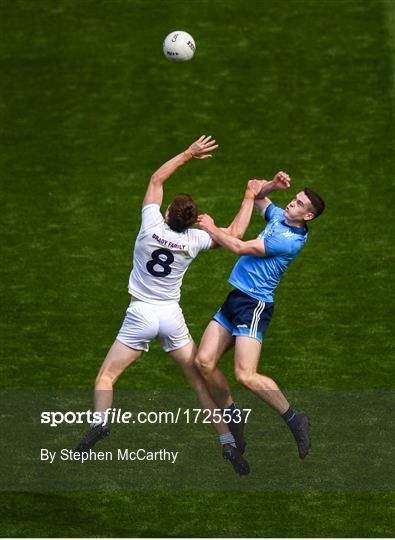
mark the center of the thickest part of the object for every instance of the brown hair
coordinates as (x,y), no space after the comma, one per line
(182,213)
(317,203)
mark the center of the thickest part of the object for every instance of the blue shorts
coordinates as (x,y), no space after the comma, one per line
(242,315)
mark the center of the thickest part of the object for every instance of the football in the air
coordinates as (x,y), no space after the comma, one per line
(179,46)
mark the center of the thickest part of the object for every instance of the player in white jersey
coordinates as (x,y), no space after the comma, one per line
(164,249)
(161,252)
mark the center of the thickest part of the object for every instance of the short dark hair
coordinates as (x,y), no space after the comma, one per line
(182,213)
(317,203)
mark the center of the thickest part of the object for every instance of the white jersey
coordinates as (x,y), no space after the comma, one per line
(161,257)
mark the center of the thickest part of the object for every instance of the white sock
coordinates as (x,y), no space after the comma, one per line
(227,438)
(98,422)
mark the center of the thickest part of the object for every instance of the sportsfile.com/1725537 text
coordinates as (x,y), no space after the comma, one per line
(118,416)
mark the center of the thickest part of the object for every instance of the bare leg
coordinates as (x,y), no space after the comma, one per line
(118,358)
(185,357)
(215,342)
(246,362)
(247,353)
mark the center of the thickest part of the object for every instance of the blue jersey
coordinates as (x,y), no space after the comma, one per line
(259,276)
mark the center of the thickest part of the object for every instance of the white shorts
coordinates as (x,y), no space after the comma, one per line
(144,322)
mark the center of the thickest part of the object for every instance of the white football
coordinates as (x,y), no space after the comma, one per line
(179,46)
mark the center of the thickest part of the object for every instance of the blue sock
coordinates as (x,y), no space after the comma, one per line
(291,418)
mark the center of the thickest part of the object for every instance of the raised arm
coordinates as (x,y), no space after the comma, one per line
(198,150)
(255,196)
(242,219)
(263,187)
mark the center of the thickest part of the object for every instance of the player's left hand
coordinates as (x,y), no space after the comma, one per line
(205,222)
(203,145)
(282,180)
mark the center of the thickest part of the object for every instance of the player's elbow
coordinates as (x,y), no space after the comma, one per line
(155,179)
(234,231)
(237,234)
(236,247)
(242,250)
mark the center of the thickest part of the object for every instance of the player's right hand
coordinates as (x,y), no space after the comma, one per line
(256,186)
(203,145)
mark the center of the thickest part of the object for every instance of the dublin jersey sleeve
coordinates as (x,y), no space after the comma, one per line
(272,211)
(198,241)
(280,245)
(150,217)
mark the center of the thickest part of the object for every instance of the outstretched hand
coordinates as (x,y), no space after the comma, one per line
(205,222)
(203,145)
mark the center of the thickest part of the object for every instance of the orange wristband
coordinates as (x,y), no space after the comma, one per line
(188,154)
(249,194)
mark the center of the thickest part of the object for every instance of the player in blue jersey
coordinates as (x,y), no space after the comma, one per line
(246,313)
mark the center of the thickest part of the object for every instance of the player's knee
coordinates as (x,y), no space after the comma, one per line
(104,379)
(244,377)
(204,364)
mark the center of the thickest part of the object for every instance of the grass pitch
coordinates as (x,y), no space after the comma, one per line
(89,109)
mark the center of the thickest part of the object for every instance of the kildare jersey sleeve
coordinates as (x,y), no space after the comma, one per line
(150,217)
(272,211)
(198,241)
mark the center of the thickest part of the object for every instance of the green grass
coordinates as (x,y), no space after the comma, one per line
(89,109)
(220,514)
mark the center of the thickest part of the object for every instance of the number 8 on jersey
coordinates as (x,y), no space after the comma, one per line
(162,258)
